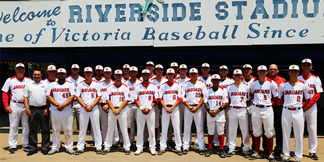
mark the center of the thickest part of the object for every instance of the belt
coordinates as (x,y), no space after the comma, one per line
(293,108)
(262,106)
(194,105)
(237,107)
(17,101)
(168,105)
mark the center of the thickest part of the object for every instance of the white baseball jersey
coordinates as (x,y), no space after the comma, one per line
(102,79)
(158,84)
(194,92)
(226,83)
(49,81)
(182,81)
(207,82)
(131,88)
(263,93)
(103,89)
(238,95)
(16,87)
(146,94)
(123,80)
(75,82)
(60,93)
(88,92)
(170,93)
(250,81)
(293,95)
(150,79)
(117,94)
(314,83)
(215,99)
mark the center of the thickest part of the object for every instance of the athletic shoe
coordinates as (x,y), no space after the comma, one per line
(246,154)
(12,150)
(161,152)
(208,152)
(179,152)
(52,152)
(298,160)
(138,151)
(284,159)
(313,156)
(271,158)
(127,152)
(70,151)
(222,153)
(201,152)
(105,151)
(78,152)
(195,145)
(230,153)
(98,151)
(185,152)
(255,155)
(153,152)
(26,149)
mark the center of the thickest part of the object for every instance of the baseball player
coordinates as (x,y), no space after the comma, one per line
(225,82)
(193,99)
(61,94)
(310,115)
(175,67)
(51,72)
(117,98)
(13,90)
(75,79)
(126,76)
(146,95)
(291,94)
(104,108)
(239,95)
(99,77)
(88,95)
(171,96)
(262,90)
(215,100)
(131,106)
(158,81)
(150,67)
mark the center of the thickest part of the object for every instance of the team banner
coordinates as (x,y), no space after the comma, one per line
(160,24)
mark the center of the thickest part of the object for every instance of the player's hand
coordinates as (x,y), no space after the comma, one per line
(305,108)
(28,112)
(116,112)
(194,109)
(46,112)
(105,108)
(88,108)
(169,110)
(8,109)
(190,108)
(211,114)
(60,108)
(215,112)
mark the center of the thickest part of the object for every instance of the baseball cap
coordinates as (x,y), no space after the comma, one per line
(237,72)
(158,66)
(61,70)
(215,76)
(294,67)
(193,70)
(126,66)
(99,67)
(75,66)
(223,67)
(205,65)
(51,68)
(107,69)
(262,67)
(118,72)
(150,63)
(183,66)
(20,65)
(87,69)
(246,66)
(133,68)
(174,64)
(145,71)
(170,71)
(307,60)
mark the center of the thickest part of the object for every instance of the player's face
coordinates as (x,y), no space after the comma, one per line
(107,74)
(247,71)
(223,72)
(133,74)
(293,73)
(118,77)
(99,72)
(37,75)
(170,76)
(175,69)
(273,70)
(150,67)
(145,77)
(237,77)
(75,71)
(158,71)
(262,73)
(183,71)
(193,76)
(61,76)
(215,82)
(20,71)
(205,70)
(51,74)
(125,71)
(88,74)
(306,66)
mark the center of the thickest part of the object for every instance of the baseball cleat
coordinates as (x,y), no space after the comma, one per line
(284,159)
(230,153)
(52,152)
(153,152)
(98,151)
(161,152)
(70,151)
(78,152)
(12,150)
(127,152)
(185,152)
(179,152)
(26,149)
(271,158)
(208,152)
(105,151)
(201,152)
(222,153)
(246,154)
(255,155)
(313,156)
(138,151)
(298,160)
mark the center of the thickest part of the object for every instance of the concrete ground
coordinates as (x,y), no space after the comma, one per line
(118,155)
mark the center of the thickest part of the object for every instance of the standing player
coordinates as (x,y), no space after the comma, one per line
(291,94)
(215,100)
(99,77)
(239,95)
(51,72)
(150,67)
(175,67)
(13,89)
(131,106)
(171,96)
(158,81)
(88,95)
(60,94)
(310,115)
(262,90)
(117,98)
(126,76)
(146,95)
(193,99)
(247,71)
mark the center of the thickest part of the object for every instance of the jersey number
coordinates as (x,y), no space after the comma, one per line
(149,98)
(92,95)
(265,97)
(197,95)
(218,103)
(65,95)
(298,98)
(174,97)
(242,98)
(121,99)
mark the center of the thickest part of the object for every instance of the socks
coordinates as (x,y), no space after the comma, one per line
(221,141)
(270,144)
(210,141)
(257,144)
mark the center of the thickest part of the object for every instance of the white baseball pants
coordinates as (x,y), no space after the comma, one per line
(198,118)
(227,115)
(262,116)
(104,126)
(212,123)
(131,116)
(141,120)
(311,119)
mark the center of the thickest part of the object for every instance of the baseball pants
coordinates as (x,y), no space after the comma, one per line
(220,125)
(157,120)
(227,115)
(278,129)
(198,118)
(293,119)
(122,120)
(131,116)
(175,119)
(238,116)
(311,119)
(84,120)
(63,119)
(76,111)
(104,126)
(18,112)
(141,120)
(262,116)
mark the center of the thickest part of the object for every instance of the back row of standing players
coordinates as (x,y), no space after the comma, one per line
(214,91)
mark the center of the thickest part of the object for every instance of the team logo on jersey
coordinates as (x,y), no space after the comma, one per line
(310,91)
